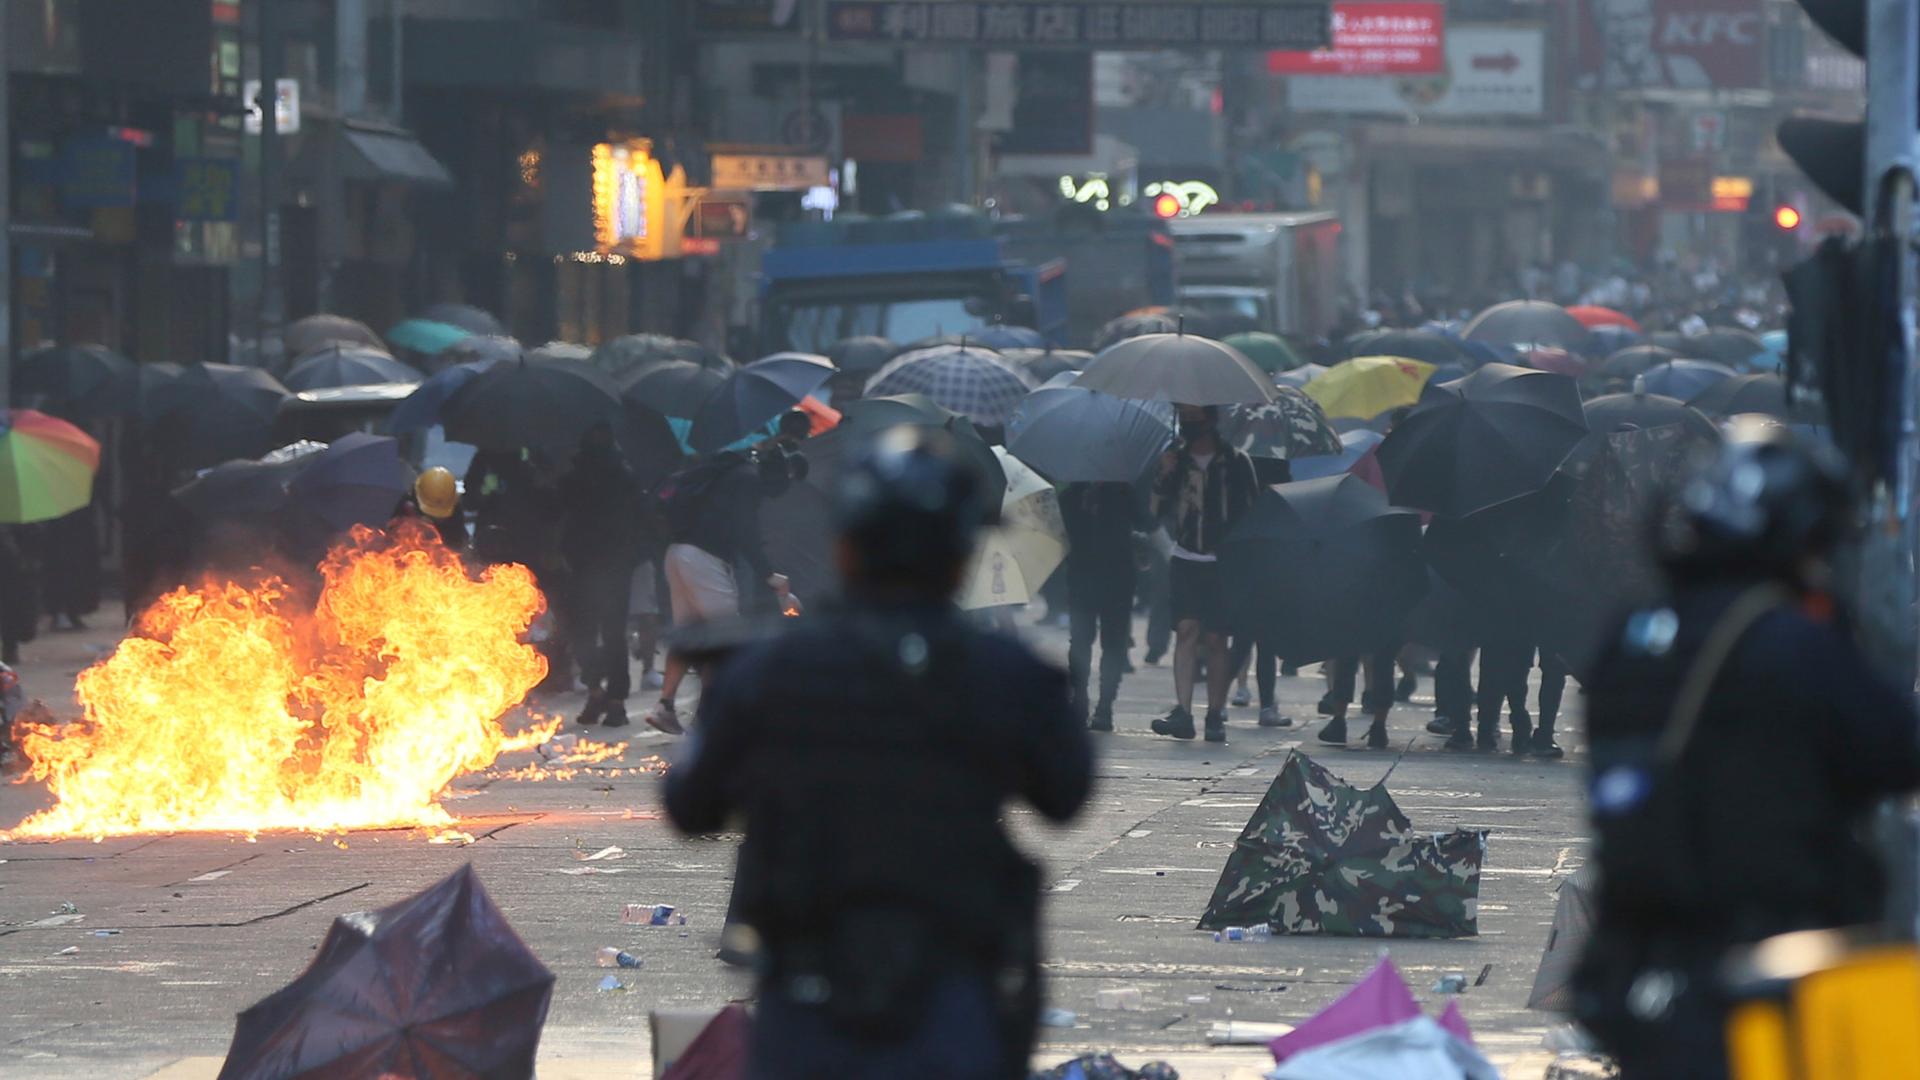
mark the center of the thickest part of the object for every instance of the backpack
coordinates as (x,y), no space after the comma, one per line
(680,499)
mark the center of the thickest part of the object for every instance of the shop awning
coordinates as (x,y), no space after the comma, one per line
(386,156)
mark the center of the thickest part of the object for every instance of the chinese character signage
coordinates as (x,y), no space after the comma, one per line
(1277,24)
(1374,39)
(208,189)
(768,172)
(96,172)
(1673,44)
(1490,71)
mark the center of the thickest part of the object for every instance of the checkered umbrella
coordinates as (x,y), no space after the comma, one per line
(974,382)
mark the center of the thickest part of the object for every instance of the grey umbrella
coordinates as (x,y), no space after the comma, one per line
(340,364)
(1070,434)
(972,381)
(1527,324)
(1180,368)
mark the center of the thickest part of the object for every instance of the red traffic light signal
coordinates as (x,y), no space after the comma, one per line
(1166,205)
(1786,217)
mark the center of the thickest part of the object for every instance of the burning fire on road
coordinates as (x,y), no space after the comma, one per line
(250,708)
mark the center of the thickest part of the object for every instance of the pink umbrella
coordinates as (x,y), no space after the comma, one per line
(1380,999)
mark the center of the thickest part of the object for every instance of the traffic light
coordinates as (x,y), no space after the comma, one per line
(1833,153)
(1166,205)
(1786,217)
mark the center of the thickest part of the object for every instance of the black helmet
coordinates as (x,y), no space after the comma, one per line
(1765,504)
(910,503)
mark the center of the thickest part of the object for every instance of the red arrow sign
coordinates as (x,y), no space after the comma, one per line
(1505,63)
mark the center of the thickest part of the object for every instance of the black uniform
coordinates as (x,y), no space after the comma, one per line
(600,538)
(1796,743)
(872,751)
(1100,519)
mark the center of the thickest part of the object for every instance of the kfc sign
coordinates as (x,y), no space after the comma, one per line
(1400,38)
(1674,44)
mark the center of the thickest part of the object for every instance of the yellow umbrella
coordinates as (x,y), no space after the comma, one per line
(1014,558)
(1368,386)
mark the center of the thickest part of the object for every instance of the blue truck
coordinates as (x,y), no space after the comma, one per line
(913,276)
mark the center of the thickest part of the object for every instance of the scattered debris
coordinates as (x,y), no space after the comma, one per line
(1127,998)
(612,957)
(611,983)
(1451,984)
(1199,999)
(608,852)
(652,915)
(1238,934)
(1245,1033)
(68,951)
(106,933)
(1106,1067)
(1058,1018)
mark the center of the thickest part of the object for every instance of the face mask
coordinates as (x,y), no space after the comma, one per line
(1191,430)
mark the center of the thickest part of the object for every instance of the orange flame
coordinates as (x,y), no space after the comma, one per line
(240,709)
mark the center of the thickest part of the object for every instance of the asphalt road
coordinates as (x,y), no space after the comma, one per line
(208,924)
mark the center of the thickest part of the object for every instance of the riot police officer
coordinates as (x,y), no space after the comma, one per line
(871,750)
(1739,743)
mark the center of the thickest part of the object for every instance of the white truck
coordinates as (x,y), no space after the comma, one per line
(1280,272)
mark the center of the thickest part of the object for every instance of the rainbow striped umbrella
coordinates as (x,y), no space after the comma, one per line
(46,467)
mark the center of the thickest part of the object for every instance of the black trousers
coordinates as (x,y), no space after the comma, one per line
(598,624)
(1379,692)
(1553,687)
(1453,685)
(1265,670)
(1104,611)
(1504,666)
(1158,594)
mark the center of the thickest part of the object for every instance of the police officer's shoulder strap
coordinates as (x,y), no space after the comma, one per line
(1705,669)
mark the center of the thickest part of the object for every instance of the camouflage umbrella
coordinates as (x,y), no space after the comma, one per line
(1290,426)
(1322,857)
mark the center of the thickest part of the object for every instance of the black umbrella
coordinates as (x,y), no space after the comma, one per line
(357,480)
(481,349)
(1290,426)
(1624,366)
(1499,434)
(1744,394)
(305,335)
(1526,324)
(548,405)
(434,987)
(862,355)
(1510,561)
(1120,329)
(1324,567)
(1070,434)
(337,364)
(1728,345)
(867,417)
(753,395)
(675,388)
(1683,379)
(77,381)
(1613,413)
(1180,368)
(797,528)
(1429,346)
(623,357)
(211,412)
(466,317)
(238,489)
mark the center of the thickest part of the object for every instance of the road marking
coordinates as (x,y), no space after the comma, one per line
(211,875)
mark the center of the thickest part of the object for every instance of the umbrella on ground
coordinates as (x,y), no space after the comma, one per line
(548,405)
(434,987)
(1573,916)
(1370,386)
(81,381)
(358,480)
(1299,377)
(862,355)
(1499,434)
(966,379)
(1592,317)
(427,337)
(746,400)
(1180,368)
(1683,379)
(675,388)
(1322,857)
(1624,366)
(306,335)
(1015,558)
(1353,446)
(336,364)
(1290,426)
(1045,364)
(466,317)
(1133,325)
(1073,435)
(1326,568)
(1729,345)
(46,467)
(209,413)
(420,410)
(1526,324)
(1269,352)
(1766,394)
(1429,346)
(1000,337)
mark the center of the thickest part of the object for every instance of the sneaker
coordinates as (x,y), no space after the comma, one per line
(1216,727)
(652,680)
(1241,698)
(1334,734)
(615,716)
(1325,707)
(664,717)
(596,705)
(1271,717)
(1377,736)
(1102,718)
(1440,725)
(1544,746)
(1522,734)
(1403,691)
(1177,724)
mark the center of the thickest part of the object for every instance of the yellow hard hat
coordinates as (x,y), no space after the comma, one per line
(435,492)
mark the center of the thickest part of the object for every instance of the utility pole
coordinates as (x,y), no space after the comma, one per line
(6,226)
(273,301)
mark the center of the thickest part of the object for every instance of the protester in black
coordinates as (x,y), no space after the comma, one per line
(1740,743)
(1100,520)
(872,751)
(600,540)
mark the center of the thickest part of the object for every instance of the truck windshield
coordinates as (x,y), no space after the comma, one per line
(1254,308)
(813,325)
